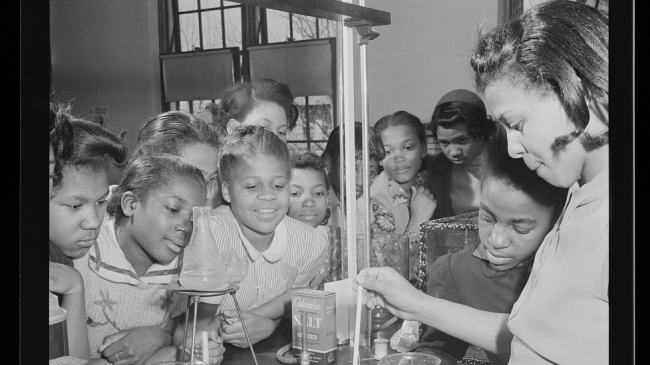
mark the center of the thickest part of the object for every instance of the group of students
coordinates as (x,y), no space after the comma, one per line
(113,248)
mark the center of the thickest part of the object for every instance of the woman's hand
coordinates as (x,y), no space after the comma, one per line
(232,332)
(385,287)
(215,347)
(422,204)
(133,346)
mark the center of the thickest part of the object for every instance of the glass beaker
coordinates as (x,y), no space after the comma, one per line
(203,268)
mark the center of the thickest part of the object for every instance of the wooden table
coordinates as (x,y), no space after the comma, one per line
(266,350)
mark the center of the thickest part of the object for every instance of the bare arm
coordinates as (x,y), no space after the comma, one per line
(385,287)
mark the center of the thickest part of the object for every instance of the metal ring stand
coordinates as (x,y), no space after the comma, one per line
(193,298)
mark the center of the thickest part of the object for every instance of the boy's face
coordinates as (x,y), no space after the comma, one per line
(77,210)
(308,192)
(162,225)
(258,194)
(511,224)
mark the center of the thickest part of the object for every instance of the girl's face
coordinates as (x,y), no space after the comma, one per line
(52,166)
(206,159)
(404,153)
(77,210)
(511,224)
(373,171)
(270,116)
(258,193)
(308,202)
(203,157)
(533,123)
(458,145)
(373,168)
(161,224)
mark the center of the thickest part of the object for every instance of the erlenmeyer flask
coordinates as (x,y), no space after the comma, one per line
(203,268)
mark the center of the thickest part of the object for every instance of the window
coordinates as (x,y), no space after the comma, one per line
(215,24)
(209,24)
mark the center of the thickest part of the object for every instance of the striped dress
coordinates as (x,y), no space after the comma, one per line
(295,258)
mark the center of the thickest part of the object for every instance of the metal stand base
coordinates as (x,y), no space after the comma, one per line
(193,298)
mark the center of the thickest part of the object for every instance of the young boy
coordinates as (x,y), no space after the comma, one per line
(517,210)
(309,190)
(332,158)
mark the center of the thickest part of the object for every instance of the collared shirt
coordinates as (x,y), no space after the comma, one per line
(295,258)
(116,298)
(562,315)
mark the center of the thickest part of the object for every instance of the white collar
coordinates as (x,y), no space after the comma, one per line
(278,246)
(108,261)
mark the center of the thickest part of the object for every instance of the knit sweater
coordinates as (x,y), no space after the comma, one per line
(116,298)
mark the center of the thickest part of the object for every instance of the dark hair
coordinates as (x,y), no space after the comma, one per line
(479,125)
(82,144)
(146,173)
(497,164)
(310,161)
(375,145)
(559,47)
(239,99)
(61,133)
(172,131)
(249,141)
(403,118)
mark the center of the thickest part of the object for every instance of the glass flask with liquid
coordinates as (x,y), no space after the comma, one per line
(203,268)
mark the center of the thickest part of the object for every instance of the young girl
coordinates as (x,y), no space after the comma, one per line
(545,77)
(186,136)
(130,318)
(332,158)
(399,200)
(274,251)
(265,103)
(462,127)
(80,155)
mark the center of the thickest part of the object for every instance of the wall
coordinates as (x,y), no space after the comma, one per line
(105,53)
(423,53)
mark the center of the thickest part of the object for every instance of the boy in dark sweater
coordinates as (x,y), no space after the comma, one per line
(517,210)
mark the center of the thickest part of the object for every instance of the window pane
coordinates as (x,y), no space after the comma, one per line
(186,5)
(299,132)
(211,22)
(184,106)
(304,27)
(232,19)
(230,3)
(320,117)
(318,147)
(189,32)
(277,25)
(206,4)
(297,148)
(326,28)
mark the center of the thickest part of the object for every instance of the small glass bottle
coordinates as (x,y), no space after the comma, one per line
(58,329)
(203,268)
